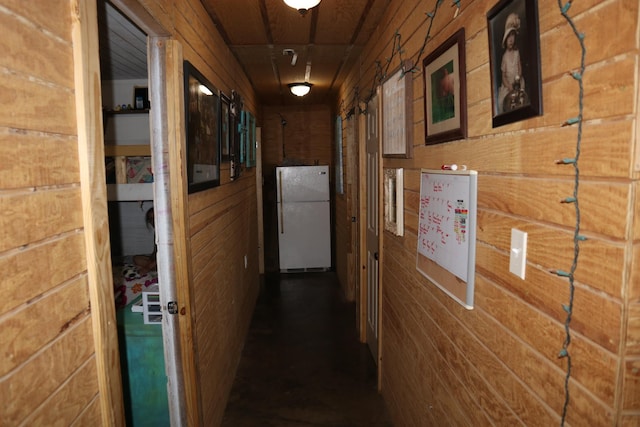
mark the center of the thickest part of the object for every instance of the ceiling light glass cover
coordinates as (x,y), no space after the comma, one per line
(300,89)
(302,5)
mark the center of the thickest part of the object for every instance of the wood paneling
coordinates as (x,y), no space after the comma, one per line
(20,94)
(50,159)
(88,109)
(221,228)
(222,234)
(53,16)
(69,401)
(58,210)
(26,388)
(498,364)
(90,415)
(39,62)
(46,315)
(72,304)
(55,267)
(307,139)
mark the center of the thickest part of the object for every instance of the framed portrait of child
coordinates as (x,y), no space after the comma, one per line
(514,51)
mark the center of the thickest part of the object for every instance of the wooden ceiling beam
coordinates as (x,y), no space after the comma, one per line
(265,21)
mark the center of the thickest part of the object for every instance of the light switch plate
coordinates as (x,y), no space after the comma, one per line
(518,253)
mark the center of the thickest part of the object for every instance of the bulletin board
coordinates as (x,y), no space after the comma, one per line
(446,252)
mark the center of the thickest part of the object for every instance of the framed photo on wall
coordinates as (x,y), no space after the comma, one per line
(225,134)
(397,113)
(394,200)
(235,128)
(202,123)
(250,129)
(445,91)
(514,53)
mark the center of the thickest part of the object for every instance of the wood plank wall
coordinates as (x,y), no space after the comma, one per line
(222,228)
(498,364)
(45,315)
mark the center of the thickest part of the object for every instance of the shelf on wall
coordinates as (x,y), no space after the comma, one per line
(129,192)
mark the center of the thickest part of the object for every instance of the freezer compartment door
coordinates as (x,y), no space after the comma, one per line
(304,235)
(302,183)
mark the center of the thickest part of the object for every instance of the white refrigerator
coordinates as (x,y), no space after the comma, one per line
(304,220)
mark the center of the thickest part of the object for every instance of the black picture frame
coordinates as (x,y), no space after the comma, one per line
(225,127)
(250,131)
(202,125)
(517,98)
(236,105)
(444,74)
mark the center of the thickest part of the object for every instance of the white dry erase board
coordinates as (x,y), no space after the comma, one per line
(447,231)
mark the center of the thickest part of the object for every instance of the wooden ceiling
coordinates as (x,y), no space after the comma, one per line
(123,46)
(327,41)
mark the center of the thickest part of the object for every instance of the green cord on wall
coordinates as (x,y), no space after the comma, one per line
(568,308)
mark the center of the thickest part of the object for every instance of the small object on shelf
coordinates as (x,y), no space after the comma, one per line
(141,98)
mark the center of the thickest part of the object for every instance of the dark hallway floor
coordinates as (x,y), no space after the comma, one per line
(302,364)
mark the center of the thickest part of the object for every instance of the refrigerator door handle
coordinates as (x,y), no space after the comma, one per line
(281,206)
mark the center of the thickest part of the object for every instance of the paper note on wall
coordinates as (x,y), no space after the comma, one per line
(444,220)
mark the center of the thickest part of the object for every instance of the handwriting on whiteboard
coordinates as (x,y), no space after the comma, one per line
(443,221)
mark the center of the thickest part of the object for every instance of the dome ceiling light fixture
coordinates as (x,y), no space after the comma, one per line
(302,6)
(300,89)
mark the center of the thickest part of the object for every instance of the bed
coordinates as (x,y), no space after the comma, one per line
(129,281)
(129,178)
(129,174)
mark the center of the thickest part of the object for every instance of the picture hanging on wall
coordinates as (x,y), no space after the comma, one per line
(394,200)
(397,113)
(514,52)
(445,91)
(235,128)
(225,134)
(250,130)
(202,123)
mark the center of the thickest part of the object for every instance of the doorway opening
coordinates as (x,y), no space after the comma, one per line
(129,173)
(133,49)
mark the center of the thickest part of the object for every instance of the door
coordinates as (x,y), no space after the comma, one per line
(372,233)
(353,287)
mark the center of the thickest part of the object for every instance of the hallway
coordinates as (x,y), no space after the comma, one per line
(302,364)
